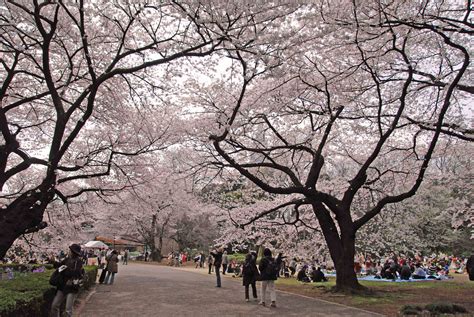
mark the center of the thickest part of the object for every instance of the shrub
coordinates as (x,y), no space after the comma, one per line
(410,310)
(31,294)
(445,308)
(24,267)
(237,257)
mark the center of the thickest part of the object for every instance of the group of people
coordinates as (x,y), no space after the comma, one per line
(267,271)
(313,274)
(177,258)
(417,268)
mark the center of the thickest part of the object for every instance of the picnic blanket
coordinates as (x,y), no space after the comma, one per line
(372,278)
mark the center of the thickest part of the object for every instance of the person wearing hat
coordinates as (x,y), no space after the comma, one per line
(72,273)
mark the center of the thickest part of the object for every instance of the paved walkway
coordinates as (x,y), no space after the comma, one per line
(151,290)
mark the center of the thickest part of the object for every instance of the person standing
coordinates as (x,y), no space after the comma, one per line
(268,272)
(225,262)
(470,267)
(209,263)
(112,267)
(249,276)
(202,259)
(68,286)
(292,266)
(125,257)
(217,265)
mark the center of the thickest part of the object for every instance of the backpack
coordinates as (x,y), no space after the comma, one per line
(248,269)
(271,269)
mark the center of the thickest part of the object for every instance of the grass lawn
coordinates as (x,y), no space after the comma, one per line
(389,297)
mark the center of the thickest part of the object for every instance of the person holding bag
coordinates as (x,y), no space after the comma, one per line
(112,267)
(68,281)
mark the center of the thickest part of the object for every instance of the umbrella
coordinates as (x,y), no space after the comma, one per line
(96,245)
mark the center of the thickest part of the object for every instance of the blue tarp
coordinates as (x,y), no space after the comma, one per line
(372,278)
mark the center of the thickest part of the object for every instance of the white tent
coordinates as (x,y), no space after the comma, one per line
(96,245)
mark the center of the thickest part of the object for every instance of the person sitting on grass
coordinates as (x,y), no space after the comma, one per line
(420,273)
(302,277)
(405,271)
(317,275)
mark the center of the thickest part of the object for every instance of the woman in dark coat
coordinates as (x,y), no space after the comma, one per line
(68,287)
(249,276)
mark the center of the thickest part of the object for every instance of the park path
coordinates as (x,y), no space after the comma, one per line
(153,290)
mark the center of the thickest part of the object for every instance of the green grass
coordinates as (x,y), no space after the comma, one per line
(386,297)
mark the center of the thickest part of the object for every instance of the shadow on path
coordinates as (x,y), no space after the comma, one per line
(152,290)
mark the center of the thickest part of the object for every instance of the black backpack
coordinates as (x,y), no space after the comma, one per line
(271,269)
(247,269)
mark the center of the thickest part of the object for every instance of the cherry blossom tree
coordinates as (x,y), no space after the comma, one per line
(346,122)
(86,91)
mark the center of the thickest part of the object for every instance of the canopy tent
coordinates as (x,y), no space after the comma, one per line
(96,245)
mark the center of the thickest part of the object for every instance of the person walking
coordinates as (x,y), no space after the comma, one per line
(249,276)
(112,267)
(71,274)
(217,265)
(268,273)
(225,262)
(209,263)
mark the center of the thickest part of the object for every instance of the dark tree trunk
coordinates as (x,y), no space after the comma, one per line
(24,215)
(155,254)
(341,247)
(346,278)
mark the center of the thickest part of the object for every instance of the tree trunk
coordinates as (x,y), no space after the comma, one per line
(341,248)
(24,215)
(346,278)
(155,254)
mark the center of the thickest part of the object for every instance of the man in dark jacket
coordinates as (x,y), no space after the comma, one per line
(269,273)
(71,272)
(249,276)
(217,264)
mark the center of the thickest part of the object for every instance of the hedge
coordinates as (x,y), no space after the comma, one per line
(24,267)
(434,309)
(31,294)
(238,257)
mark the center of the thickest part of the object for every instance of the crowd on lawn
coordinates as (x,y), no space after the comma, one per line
(392,267)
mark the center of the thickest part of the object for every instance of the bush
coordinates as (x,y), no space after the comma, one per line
(434,309)
(31,295)
(24,267)
(410,310)
(445,308)
(237,257)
